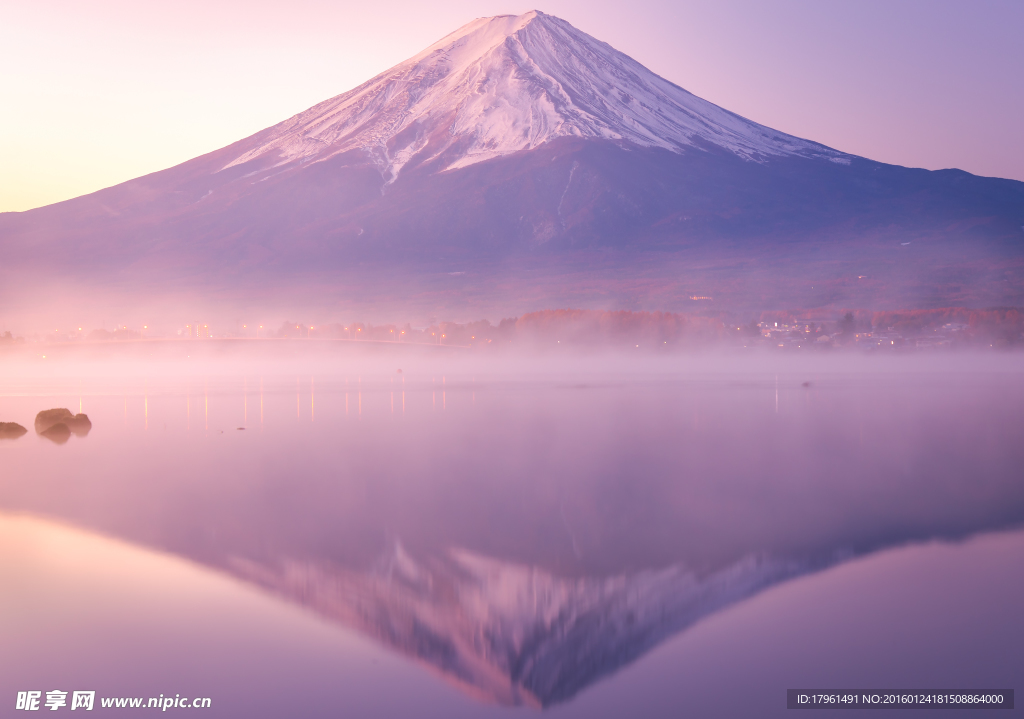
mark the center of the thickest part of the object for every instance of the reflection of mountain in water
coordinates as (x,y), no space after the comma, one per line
(511,633)
(561,503)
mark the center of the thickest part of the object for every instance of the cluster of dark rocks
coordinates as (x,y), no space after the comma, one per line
(56,425)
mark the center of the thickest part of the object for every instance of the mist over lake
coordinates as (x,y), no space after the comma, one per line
(582,533)
(613,362)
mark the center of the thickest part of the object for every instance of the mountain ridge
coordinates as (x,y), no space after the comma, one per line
(424,204)
(497,85)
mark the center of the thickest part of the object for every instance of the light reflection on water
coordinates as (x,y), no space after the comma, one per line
(526,537)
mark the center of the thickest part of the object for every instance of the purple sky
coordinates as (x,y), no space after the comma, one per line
(96,92)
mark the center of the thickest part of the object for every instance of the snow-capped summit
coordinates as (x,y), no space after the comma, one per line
(518,164)
(503,84)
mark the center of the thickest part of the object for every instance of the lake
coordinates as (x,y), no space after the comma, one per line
(318,534)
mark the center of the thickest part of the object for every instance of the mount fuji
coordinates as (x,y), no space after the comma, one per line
(503,85)
(517,164)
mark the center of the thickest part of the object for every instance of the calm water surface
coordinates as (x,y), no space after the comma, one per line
(587,539)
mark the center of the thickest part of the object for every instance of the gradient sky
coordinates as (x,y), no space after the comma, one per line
(96,92)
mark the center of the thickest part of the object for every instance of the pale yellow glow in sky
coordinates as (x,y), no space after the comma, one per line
(101,91)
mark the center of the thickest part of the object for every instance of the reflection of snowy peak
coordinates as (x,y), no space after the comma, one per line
(509,83)
(510,633)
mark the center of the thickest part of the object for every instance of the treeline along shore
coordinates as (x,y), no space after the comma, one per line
(952,327)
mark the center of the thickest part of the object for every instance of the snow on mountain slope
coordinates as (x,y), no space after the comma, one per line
(509,83)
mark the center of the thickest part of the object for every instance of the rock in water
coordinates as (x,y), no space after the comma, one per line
(49,417)
(11,430)
(79,424)
(58,433)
